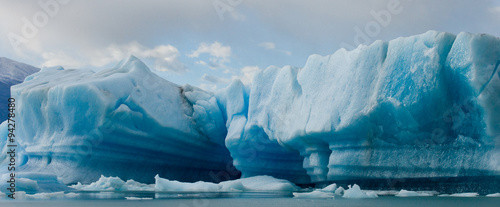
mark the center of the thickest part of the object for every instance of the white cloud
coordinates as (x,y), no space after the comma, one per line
(60,58)
(215,49)
(219,54)
(247,74)
(214,79)
(208,87)
(268,45)
(272,46)
(165,57)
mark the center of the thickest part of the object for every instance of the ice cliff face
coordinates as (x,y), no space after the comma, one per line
(415,107)
(124,122)
(421,106)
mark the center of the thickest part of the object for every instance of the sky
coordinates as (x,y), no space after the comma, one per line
(209,43)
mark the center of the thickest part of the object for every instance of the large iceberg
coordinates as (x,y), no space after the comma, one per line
(125,121)
(424,106)
(415,107)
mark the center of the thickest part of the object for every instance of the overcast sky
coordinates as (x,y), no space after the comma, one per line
(207,43)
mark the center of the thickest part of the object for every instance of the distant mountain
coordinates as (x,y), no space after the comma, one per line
(11,73)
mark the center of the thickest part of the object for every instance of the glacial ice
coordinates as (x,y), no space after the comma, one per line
(113,184)
(406,193)
(414,107)
(314,194)
(32,183)
(355,191)
(251,184)
(466,195)
(124,121)
(493,195)
(330,188)
(425,106)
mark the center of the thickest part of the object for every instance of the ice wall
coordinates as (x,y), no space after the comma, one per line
(125,122)
(420,106)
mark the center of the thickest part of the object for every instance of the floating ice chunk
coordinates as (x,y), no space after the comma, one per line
(493,195)
(314,194)
(261,183)
(251,184)
(46,195)
(355,191)
(406,193)
(163,184)
(340,191)
(460,195)
(71,195)
(386,192)
(330,188)
(113,184)
(137,198)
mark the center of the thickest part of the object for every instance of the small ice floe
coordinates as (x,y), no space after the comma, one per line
(137,198)
(460,195)
(114,184)
(340,191)
(493,195)
(355,191)
(314,194)
(407,193)
(329,188)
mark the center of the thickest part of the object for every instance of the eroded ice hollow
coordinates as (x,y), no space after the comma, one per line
(424,106)
(415,107)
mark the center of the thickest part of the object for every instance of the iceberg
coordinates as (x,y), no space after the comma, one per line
(314,194)
(406,193)
(124,121)
(414,107)
(355,191)
(251,184)
(425,106)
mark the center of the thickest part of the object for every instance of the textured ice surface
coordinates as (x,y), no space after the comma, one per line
(355,191)
(251,184)
(33,183)
(420,106)
(424,106)
(330,188)
(460,195)
(114,184)
(314,194)
(406,193)
(493,195)
(124,121)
